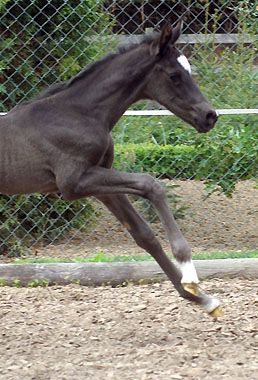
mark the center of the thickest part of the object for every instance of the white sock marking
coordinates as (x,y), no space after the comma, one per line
(212,305)
(183,61)
(189,272)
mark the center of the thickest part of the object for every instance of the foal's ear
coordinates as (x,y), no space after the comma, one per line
(177,31)
(158,46)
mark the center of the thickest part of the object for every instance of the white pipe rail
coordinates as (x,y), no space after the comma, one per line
(167,113)
(234,111)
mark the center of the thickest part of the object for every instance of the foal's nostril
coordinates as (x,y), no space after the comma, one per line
(211,117)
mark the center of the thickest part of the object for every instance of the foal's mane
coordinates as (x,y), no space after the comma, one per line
(90,68)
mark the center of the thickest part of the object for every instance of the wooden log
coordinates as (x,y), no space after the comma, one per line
(117,273)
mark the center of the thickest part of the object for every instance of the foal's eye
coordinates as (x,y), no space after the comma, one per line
(175,78)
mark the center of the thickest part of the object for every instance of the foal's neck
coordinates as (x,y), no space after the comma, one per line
(105,94)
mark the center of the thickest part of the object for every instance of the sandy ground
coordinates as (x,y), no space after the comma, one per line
(130,333)
(139,332)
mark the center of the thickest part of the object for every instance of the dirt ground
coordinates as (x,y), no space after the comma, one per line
(130,333)
(139,332)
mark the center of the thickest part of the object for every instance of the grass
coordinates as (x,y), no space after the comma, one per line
(103,258)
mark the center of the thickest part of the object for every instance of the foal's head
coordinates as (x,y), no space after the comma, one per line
(172,85)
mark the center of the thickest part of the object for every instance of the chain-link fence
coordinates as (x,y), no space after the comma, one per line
(44,42)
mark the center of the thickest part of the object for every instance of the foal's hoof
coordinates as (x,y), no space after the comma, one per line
(217,312)
(191,288)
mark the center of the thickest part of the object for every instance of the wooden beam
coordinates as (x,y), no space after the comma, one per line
(192,39)
(117,273)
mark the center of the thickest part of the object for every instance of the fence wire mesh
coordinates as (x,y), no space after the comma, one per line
(44,42)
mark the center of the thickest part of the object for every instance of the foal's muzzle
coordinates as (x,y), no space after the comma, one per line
(205,120)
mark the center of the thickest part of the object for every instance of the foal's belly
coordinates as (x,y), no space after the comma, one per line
(23,169)
(27,185)
(25,179)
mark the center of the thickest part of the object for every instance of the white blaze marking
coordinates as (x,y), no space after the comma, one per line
(189,272)
(183,61)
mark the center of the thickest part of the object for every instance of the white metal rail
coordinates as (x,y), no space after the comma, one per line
(236,111)
(166,112)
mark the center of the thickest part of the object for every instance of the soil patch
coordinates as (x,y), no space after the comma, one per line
(131,333)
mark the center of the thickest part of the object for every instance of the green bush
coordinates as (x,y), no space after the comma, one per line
(46,43)
(27,218)
(228,80)
(220,159)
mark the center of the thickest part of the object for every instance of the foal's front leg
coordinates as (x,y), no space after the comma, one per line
(141,232)
(143,235)
(102,182)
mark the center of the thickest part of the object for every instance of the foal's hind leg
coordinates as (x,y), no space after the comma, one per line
(141,232)
(100,182)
